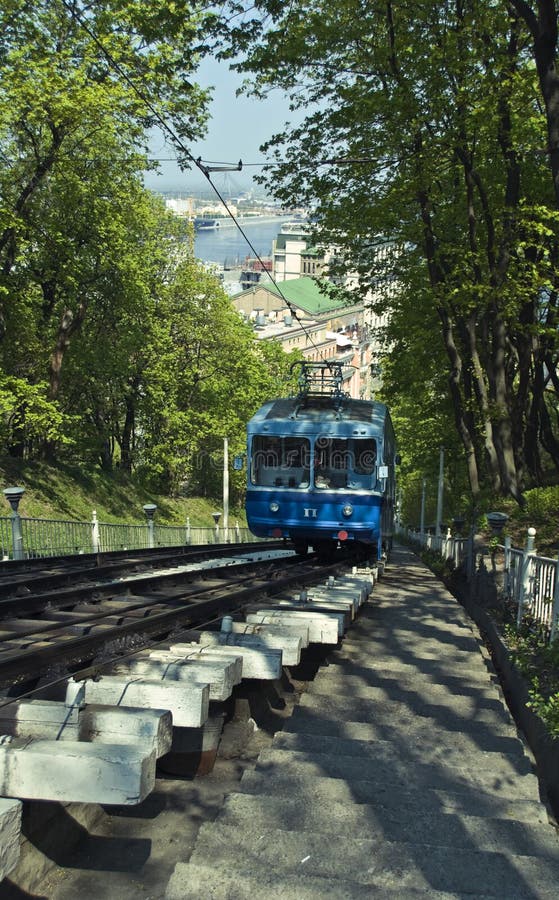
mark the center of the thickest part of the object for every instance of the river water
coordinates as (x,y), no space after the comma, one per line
(227,247)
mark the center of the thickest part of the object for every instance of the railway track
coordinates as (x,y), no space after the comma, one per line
(68,615)
(385,763)
(106,671)
(40,574)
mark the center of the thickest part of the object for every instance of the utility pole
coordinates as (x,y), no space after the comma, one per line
(440,493)
(225,485)
(422,519)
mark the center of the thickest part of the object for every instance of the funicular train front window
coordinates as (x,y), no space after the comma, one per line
(280,461)
(348,463)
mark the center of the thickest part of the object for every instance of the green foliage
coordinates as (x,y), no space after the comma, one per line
(442,568)
(540,512)
(73,491)
(434,110)
(547,708)
(117,347)
(542,504)
(538,662)
(27,417)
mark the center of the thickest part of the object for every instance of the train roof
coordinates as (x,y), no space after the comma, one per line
(321,409)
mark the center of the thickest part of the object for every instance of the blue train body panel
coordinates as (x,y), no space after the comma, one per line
(321,471)
(313,517)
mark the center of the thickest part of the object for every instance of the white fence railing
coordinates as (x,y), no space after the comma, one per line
(530,581)
(29,538)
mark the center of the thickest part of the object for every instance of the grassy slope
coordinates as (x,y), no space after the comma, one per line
(72,493)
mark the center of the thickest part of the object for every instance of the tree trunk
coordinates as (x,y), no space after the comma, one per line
(69,325)
(543,27)
(126,449)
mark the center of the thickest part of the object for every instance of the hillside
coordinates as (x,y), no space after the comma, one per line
(69,492)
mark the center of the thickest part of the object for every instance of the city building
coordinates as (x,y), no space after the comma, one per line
(299,315)
(293,255)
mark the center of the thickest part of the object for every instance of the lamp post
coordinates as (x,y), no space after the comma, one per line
(458,522)
(496,522)
(149,509)
(13,495)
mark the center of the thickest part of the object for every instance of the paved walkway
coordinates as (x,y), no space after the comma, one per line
(399,775)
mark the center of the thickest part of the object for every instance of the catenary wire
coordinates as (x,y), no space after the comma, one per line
(205,169)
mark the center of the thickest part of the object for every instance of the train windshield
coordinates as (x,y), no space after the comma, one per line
(348,463)
(280,461)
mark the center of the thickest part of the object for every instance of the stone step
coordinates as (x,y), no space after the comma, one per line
(262,663)
(463,714)
(409,615)
(466,800)
(416,732)
(187,702)
(191,881)
(75,771)
(427,660)
(408,678)
(52,720)
(389,824)
(330,684)
(10,831)
(428,670)
(402,630)
(437,754)
(408,650)
(388,865)
(387,767)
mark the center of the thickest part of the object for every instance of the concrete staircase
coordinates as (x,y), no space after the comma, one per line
(399,775)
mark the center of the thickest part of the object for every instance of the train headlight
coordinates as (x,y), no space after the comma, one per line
(274,506)
(347,511)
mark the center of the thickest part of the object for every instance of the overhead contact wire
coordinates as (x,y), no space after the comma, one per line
(206,170)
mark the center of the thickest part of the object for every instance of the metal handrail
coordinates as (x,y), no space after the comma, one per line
(530,582)
(27,537)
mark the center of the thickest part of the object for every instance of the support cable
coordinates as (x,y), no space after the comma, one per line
(205,169)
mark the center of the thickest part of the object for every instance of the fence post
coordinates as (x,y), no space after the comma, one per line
(216,516)
(471,567)
(13,495)
(237,532)
(188,529)
(149,509)
(527,557)
(446,543)
(94,532)
(507,580)
(555,612)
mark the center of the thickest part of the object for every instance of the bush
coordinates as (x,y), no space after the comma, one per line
(538,661)
(542,503)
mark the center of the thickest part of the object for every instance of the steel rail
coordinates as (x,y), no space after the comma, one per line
(19,665)
(111,564)
(24,604)
(138,602)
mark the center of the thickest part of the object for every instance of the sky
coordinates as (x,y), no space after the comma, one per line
(239,125)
